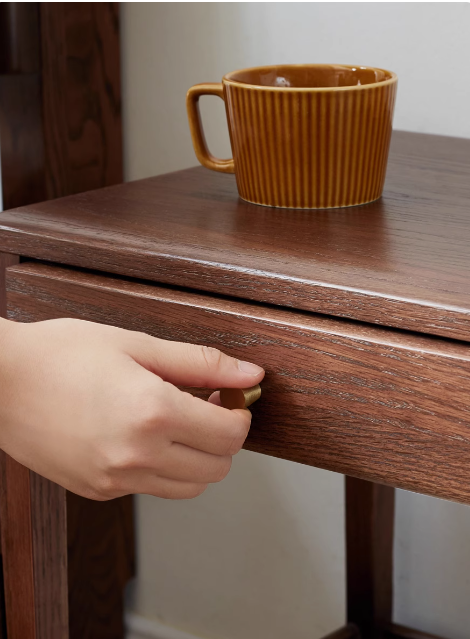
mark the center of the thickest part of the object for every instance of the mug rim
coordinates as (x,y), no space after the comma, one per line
(355,87)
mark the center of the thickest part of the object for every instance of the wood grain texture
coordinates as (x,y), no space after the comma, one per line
(377,404)
(66,559)
(17,549)
(49,540)
(21,132)
(101,561)
(22,149)
(81,95)
(60,105)
(60,100)
(396,631)
(3,615)
(369,556)
(402,261)
(5,260)
(34,553)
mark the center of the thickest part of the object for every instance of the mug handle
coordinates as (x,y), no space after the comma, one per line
(197,132)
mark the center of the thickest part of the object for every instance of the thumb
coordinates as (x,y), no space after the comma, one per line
(195,365)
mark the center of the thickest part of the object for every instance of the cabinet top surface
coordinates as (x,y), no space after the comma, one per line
(402,261)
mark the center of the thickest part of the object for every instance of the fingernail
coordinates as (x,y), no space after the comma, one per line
(248,367)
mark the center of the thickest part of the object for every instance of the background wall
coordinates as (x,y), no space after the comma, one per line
(262,554)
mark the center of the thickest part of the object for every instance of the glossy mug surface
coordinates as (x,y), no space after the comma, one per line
(303,136)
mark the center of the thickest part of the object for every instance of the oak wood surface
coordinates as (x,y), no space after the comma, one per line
(377,404)
(402,261)
(370,510)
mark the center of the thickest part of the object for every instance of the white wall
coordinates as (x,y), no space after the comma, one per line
(261,555)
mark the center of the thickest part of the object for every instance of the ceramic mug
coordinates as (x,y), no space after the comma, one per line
(303,136)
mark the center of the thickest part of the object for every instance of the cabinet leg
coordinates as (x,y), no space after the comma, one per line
(100,542)
(5,261)
(17,549)
(66,559)
(370,512)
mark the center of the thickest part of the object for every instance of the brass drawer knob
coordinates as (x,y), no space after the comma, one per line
(239,397)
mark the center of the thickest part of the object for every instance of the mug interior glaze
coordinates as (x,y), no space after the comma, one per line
(309,76)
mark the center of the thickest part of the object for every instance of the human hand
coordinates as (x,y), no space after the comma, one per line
(93,408)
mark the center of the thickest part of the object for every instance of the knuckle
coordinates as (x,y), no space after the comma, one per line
(107,486)
(211,356)
(119,459)
(153,411)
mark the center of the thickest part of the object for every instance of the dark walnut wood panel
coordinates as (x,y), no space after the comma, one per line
(373,403)
(66,559)
(402,261)
(48,508)
(22,148)
(5,260)
(82,124)
(370,511)
(19,37)
(17,549)
(100,543)
(60,104)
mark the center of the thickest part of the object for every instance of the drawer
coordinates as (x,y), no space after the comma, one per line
(375,403)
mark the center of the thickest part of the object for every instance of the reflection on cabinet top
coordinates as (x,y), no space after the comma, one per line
(402,261)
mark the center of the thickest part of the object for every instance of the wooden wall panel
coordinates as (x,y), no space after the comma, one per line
(21,131)
(82,96)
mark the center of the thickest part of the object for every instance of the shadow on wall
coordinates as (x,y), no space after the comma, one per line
(259,556)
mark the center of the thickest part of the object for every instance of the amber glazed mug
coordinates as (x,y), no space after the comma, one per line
(303,136)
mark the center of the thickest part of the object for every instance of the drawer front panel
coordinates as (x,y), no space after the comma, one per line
(374,403)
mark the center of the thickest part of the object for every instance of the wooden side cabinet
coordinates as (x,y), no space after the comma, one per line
(359,316)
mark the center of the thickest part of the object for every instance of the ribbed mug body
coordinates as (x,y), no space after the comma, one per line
(310,148)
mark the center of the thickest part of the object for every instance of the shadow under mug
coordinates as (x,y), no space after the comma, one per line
(303,136)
